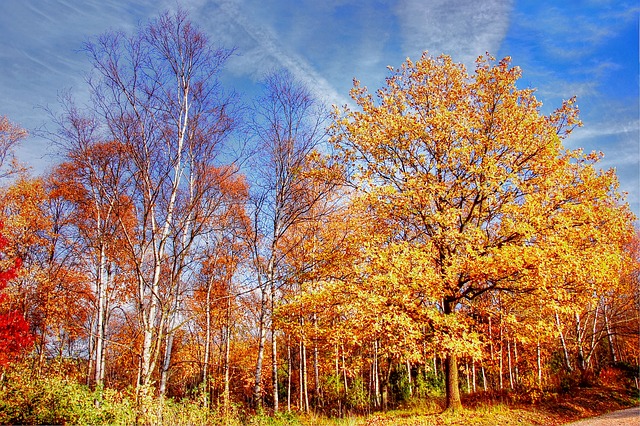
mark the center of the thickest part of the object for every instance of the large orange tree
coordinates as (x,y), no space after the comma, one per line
(471,189)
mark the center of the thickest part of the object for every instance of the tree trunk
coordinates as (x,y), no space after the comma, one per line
(567,360)
(409,378)
(579,343)
(501,357)
(304,375)
(300,375)
(515,368)
(510,364)
(227,356)
(435,364)
(376,376)
(274,366)
(289,372)
(274,345)
(207,345)
(100,321)
(539,359)
(454,402)
(166,363)
(473,371)
(316,366)
(484,378)
(612,348)
(257,387)
(466,372)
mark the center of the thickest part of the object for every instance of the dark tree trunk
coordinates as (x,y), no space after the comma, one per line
(454,402)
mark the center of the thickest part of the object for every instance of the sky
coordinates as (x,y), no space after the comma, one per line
(586,48)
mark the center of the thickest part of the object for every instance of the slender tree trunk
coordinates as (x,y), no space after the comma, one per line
(304,375)
(274,367)
(257,387)
(376,375)
(484,378)
(515,353)
(207,345)
(409,377)
(337,376)
(567,360)
(491,351)
(594,340)
(473,371)
(435,364)
(227,356)
(344,372)
(466,372)
(501,357)
(274,347)
(171,329)
(289,372)
(579,335)
(91,349)
(100,320)
(316,365)
(166,362)
(510,364)
(300,376)
(539,359)
(612,348)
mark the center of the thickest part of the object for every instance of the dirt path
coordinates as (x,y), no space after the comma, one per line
(628,417)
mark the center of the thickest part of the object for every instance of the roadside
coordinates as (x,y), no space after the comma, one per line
(628,417)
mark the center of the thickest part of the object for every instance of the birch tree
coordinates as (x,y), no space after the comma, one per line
(158,93)
(288,125)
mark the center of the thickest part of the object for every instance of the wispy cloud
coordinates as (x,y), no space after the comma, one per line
(262,52)
(459,28)
(575,30)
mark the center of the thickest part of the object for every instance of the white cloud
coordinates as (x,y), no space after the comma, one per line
(261,51)
(461,29)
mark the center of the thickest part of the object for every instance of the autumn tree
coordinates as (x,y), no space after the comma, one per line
(470,182)
(10,136)
(15,336)
(159,96)
(14,329)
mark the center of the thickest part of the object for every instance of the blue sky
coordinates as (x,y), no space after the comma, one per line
(585,48)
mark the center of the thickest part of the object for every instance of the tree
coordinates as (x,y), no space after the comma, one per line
(466,177)
(159,96)
(288,125)
(10,136)
(15,336)
(90,182)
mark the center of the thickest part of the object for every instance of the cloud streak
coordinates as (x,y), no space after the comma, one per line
(263,53)
(458,28)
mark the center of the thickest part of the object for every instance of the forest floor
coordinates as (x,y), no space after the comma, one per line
(506,410)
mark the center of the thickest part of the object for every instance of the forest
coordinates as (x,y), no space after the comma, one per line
(193,259)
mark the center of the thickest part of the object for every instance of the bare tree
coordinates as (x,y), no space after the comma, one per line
(10,137)
(288,125)
(160,97)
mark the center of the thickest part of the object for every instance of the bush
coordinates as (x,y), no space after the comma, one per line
(429,384)
(55,399)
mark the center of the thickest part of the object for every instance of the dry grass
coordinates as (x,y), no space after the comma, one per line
(492,409)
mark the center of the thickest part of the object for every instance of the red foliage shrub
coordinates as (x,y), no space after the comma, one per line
(15,336)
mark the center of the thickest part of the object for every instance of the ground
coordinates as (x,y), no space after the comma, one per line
(547,409)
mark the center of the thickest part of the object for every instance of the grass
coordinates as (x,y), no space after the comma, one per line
(26,399)
(505,410)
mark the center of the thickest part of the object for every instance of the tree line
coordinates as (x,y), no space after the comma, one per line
(436,233)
